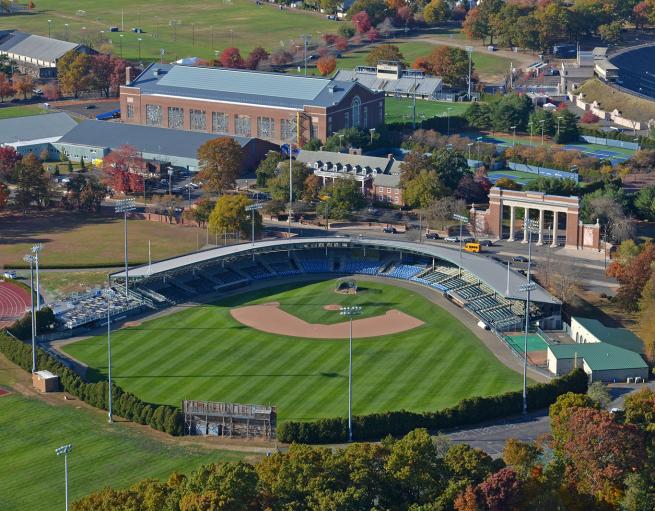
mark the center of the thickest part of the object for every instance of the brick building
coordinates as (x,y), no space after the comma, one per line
(270,106)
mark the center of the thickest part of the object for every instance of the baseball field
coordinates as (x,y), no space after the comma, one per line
(274,346)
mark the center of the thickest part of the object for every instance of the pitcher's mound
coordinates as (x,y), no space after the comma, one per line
(332,307)
(271,319)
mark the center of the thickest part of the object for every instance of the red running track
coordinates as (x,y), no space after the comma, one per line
(14,301)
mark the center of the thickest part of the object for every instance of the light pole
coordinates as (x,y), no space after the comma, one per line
(109,416)
(478,140)
(49,25)
(448,118)
(252,208)
(350,312)
(170,180)
(526,288)
(139,39)
(461,219)
(65,450)
(543,125)
(559,118)
(531,124)
(35,250)
(469,49)
(325,198)
(66,27)
(513,136)
(30,259)
(120,39)
(470,144)
(125,206)
(371,131)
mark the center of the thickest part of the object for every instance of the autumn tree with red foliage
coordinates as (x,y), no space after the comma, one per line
(341,43)
(633,275)
(589,117)
(256,57)
(6,88)
(123,170)
(9,157)
(500,491)
(23,84)
(361,22)
(231,57)
(326,65)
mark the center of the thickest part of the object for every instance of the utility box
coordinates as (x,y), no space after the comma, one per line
(45,381)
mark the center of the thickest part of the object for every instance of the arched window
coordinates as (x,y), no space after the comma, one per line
(356,108)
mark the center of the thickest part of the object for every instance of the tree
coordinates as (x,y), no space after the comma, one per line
(107,73)
(471,190)
(437,11)
(543,119)
(229,215)
(123,170)
(451,63)
(6,88)
(372,35)
(384,52)
(74,73)
(375,9)
(346,31)
(568,128)
(51,91)
(422,190)
(231,57)
(341,43)
(220,161)
(268,167)
(312,188)
(329,6)
(451,166)
(4,195)
(611,32)
(279,185)
(9,158)
(521,456)
(442,210)
(599,394)
(607,206)
(23,84)
(326,65)
(32,185)
(633,276)
(474,25)
(644,203)
(345,196)
(117,75)
(361,22)
(257,56)
(501,490)
(349,137)
(507,184)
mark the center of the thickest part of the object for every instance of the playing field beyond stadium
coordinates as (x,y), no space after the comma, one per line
(203,353)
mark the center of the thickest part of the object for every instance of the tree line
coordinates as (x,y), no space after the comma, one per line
(593,459)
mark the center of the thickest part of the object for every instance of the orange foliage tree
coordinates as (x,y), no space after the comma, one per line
(326,65)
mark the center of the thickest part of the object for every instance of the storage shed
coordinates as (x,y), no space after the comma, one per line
(45,381)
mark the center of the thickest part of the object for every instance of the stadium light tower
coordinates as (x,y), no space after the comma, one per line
(526,288)
(109,412)
(252,208)
(35,250)
(350,312)
(125,206)
(64,451)
(30,259)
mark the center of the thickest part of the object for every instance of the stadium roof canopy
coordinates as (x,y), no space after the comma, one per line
(240,86)
(486,269)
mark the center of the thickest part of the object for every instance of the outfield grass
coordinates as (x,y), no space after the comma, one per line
(183,28)
(73,239)
(400,109)
(33,476)
(8,112)
(202,353)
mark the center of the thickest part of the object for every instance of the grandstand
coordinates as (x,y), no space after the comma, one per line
(477,284)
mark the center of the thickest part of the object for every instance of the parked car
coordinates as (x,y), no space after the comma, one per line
(90,107)
(468,240)
(389,230)
(451,239)
(520,259)
(37,92)
(486,243)
(373,211)
(432,236)
(9,274)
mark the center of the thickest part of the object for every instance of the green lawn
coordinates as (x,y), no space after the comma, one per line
(401,109)
(33,476)
(8,112)
(203,353)
(183,28)
(73,239)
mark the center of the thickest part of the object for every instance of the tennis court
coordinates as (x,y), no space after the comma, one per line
(615,155)
(522,178)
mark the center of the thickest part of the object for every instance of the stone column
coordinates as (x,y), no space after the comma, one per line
(540,241)
(512,218)
(555,218)
(525,225)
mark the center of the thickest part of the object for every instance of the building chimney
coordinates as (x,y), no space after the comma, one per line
(128,75)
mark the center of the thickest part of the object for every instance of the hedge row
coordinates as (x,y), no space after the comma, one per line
(440,124)
(163,417)
(468,411)
(22,328)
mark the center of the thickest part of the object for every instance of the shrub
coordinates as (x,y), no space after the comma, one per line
(398,423)
(589,117)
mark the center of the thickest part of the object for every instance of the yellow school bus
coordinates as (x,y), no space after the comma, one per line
(472,247)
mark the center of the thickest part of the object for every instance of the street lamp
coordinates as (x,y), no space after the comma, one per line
(109,413)
(170,180)
(543,125)
(559,118)
(30,259)
(350,312)
(65,450)
(478,140)
(513,136)
(139,39)
(120,36)
(35,250)
(252,208)
(448,118)
(125,206)
(531,124)
(526,288)
(461,219)
(371,131)
(469,50)
(326,198)
(49,24)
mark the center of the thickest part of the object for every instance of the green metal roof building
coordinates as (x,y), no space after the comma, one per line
(600,360)
(588,330)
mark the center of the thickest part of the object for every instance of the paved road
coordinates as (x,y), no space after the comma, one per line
(491,437)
